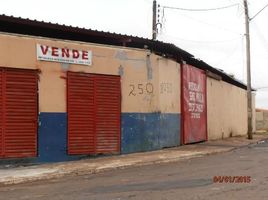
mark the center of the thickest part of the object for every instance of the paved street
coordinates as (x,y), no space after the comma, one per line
(188,179)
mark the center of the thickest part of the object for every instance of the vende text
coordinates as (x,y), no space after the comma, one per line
(64,55)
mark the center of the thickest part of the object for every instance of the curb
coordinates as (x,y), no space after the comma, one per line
(83,168)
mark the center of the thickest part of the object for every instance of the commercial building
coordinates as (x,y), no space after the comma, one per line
(71,92)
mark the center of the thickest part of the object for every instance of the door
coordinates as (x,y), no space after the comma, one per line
(93,106)
(81,111)
(2,88)
(107,113)
(19,112)
(194,104)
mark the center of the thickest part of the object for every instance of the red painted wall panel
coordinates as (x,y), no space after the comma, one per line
(93,113)
(19,113)
(194,104)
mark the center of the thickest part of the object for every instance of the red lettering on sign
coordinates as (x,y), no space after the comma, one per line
(75,54)
(84,55)
(65,52)
(55,51)
(44,49)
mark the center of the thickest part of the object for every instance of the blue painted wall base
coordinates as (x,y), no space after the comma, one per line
(149,131)
(139,132)
(52,138)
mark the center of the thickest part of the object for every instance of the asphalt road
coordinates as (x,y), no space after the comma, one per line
(189,179)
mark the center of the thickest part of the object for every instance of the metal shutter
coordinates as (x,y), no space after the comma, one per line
(20,113)
(107,102)
(2,88)
(80,108)
(93,113)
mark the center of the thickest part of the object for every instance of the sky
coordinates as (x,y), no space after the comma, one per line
(216,37)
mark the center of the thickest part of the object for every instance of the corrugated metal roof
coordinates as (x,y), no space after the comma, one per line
(19,25)
(261,110)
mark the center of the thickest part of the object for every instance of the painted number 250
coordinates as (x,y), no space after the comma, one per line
(140,89)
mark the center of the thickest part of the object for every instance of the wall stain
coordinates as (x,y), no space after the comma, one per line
(120,70)
(65,66)
(149,68)
(122,55)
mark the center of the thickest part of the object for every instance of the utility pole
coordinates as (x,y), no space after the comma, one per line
(249,94)
(154,20)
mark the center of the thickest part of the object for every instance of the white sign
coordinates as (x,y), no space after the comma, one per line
(196,100)
(63,55)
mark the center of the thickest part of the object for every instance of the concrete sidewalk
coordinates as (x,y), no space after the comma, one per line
(90,166)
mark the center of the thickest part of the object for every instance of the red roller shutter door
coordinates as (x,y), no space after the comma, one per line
(19,100)
(107,115)
(2,88)
(93,113)
(80,113)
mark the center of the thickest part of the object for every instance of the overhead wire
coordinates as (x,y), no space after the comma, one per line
(230,54)
(258,12)
(208,24)
(148,1)
(203,41)
(163,18)
(261,37)
(241,35)
(201,9)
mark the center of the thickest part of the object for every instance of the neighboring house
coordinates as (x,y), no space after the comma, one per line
(68,92)
(261,119)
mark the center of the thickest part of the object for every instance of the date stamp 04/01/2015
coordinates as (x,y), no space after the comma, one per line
(232,179)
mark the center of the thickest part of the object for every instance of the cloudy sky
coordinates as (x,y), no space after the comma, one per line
(217,37)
